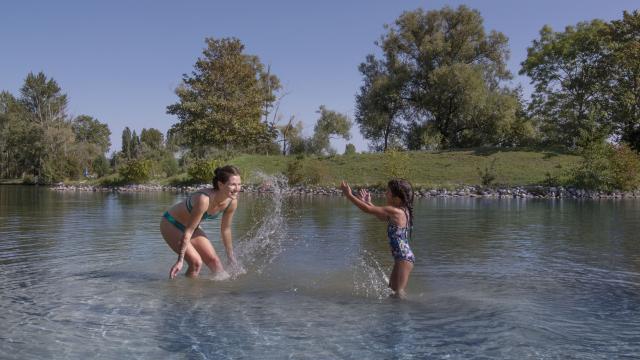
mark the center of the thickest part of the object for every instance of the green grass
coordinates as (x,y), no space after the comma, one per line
(448,169)
(428,169)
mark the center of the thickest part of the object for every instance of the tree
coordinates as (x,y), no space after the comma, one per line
(152,138)
(126,143)
(441,68)
(570,99)
(135,145)
(624,67)
(223,99)
(91,131)
(43,99)
(331,124)
(380,102)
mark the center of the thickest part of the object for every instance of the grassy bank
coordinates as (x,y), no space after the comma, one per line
(443,169)
(428,169)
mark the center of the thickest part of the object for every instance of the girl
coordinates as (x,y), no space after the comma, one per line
(180,224)
(399,216)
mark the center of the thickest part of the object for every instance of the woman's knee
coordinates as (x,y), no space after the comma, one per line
(195,265)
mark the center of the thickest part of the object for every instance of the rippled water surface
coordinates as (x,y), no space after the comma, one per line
(84,275)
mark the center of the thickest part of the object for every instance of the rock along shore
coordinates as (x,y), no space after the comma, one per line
(524,192)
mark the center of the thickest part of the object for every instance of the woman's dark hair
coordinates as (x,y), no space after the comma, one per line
(402,189)
(223,174)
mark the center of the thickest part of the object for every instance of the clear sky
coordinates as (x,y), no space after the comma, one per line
(120,61)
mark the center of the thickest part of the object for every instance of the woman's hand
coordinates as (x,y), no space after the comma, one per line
(175,269)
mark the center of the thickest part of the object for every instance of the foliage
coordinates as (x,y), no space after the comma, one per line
(135,171)
(170,166)
(223,99)
(152,139)
(489,174)
(623,65)
(100,166)
(202,170)
(441,69)
(608,167)
(91,131)
(330,124)
(396,164)
(306,171)
(379,104)
(567,69)
(349,149)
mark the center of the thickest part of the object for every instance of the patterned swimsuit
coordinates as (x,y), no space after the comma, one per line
(399,241)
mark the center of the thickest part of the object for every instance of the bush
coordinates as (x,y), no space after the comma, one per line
(201,171)
(170,166)
(396,164)
(350,149)
(489,174)
(306,171)
(135,171)
(100,166)
(625,168)
(608,167)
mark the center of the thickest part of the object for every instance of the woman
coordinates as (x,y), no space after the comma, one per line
(180,224)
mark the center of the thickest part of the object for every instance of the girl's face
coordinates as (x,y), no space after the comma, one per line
(231,188)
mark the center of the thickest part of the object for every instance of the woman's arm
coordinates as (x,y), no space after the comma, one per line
(381,212)
(225,230)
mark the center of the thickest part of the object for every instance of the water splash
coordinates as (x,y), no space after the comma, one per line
(263,242)
(369,278)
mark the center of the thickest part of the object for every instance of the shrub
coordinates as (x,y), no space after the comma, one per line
(135,171)
(625,168)
(594,170)
(396,164)
(202,170)
(350,149)
(170,166)
(489,174)
(100,166)
(306,171)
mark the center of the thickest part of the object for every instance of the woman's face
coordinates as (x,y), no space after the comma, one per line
(231,188)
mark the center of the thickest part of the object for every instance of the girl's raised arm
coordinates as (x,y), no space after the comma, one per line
(381,212)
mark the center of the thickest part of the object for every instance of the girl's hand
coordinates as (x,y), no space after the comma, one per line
(365,196)
(175,269)
(346,189)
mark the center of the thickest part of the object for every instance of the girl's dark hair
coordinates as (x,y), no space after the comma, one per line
(223,174)
(402,189)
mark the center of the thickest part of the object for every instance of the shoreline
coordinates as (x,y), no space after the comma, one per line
(515,192)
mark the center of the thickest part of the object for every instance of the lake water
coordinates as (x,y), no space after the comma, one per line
(85,275)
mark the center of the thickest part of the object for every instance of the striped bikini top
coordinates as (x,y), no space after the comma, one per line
(206,215)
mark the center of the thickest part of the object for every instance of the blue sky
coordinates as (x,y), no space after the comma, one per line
(120,61)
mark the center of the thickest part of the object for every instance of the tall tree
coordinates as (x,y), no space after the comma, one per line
(126,143)
(570,99)
(43,99)
(443,71)
(223,99)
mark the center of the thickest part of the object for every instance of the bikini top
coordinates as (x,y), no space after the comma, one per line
(206,215)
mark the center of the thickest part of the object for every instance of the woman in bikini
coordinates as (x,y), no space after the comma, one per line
(180,225)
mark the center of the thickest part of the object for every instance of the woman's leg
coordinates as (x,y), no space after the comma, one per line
(172,236)
(204,248)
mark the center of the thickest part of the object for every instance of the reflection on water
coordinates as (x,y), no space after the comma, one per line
(85,275)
